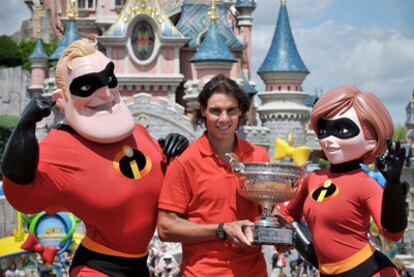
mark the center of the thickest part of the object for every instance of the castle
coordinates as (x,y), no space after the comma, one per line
(165,51)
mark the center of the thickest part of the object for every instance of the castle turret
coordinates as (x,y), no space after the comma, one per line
(245,10)
(283,68)
(283,109)
(213,57)
(71,33)
(38,59)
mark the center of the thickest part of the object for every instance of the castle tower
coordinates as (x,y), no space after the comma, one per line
(212,57)
(245,10)
(409,123)
(283,71)
(39,67)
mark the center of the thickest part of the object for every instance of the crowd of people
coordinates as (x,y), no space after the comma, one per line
(32,265)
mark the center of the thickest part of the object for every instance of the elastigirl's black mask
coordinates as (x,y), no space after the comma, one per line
(86,85)
(342,128)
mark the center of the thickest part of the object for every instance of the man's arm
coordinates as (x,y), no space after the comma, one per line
(172,227)
(21,156)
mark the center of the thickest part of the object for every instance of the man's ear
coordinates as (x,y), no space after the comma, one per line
(59,96)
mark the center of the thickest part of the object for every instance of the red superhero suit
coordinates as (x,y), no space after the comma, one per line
(337,208)
(113,188)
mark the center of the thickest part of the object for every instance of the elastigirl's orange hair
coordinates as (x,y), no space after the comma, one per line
(78,48)
(375,119)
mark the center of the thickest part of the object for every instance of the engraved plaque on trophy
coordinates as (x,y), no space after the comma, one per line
(268,184)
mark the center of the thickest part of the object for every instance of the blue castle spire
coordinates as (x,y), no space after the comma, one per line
(213,47)
(38,51)
(283,54)
(71,34)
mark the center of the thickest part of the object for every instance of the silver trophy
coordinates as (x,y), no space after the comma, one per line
(267,184)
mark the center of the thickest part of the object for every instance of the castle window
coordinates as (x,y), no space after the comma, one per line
(142,40)
(86,4)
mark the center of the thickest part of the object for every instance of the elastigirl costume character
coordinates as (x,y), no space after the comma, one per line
(337,203)
(98,164)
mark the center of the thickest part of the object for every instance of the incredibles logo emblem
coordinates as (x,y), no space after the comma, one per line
(132,163)
(325,191)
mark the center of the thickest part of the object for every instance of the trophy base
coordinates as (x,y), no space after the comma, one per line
(272,235)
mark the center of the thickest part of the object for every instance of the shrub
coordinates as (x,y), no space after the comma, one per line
(9,52)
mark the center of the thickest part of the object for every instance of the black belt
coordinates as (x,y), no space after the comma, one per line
(111,265)
(373,264)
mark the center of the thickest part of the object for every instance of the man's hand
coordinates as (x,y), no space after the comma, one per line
(173,145)
(239,233)
(391,163)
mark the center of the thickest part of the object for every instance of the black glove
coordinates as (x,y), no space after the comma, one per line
(393,213)
(173,145)
(21,155)
(303,243)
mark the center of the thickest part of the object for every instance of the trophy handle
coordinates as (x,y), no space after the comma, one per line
(234,162)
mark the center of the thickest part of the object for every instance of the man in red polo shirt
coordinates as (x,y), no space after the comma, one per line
(199,205)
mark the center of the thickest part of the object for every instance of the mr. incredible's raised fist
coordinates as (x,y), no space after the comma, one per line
(38,108)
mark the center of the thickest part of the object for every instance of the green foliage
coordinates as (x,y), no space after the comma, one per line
(9,52)
(7,124)
(400,133)
(26,48)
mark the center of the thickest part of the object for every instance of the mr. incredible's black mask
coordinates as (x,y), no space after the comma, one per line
(343,128)
(86,85)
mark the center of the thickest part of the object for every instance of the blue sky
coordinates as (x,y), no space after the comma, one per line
(369,44)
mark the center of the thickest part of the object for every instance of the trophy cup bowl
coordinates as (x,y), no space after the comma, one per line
(267,184)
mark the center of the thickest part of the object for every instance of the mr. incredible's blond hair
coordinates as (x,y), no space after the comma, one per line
(78,48)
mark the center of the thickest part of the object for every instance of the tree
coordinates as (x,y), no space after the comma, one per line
(399,133)
(9,52)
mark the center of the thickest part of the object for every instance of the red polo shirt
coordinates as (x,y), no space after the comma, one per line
(201,186)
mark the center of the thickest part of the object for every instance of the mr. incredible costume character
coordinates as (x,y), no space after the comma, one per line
(337,203)
(98,164)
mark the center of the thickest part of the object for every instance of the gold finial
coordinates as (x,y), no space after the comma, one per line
(73,11)
(290,139)
(143,7)
(213,11)
(283,2)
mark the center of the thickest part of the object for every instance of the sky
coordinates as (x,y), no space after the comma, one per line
(368,44)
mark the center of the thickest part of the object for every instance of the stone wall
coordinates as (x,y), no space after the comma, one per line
(13,95)
(8,220)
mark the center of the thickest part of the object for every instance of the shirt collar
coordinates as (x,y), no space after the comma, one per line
(242,147)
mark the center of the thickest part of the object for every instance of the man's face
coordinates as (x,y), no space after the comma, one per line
(341,138)
(222,116)
(93,106)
